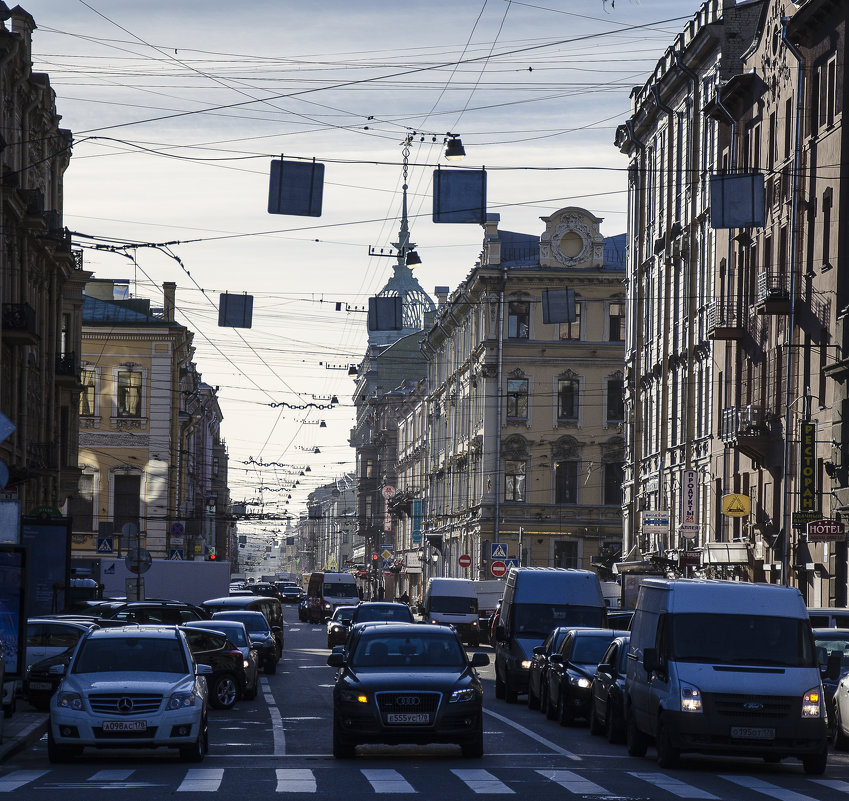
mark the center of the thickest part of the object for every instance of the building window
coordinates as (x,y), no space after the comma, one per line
(518,319)
(514,481)
(571,330)
(615,400)
(129,394)
(566,482)
(368,468)
(568,390)
(566,554)
(517,398)
(88,378)
(82,505)
(616,322)
(127,500)
(614,476)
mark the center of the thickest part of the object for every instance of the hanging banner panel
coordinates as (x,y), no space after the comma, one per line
(296,187)
(459,196)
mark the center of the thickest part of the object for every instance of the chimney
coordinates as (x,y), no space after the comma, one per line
(441,293)
(169,290)
(22,24)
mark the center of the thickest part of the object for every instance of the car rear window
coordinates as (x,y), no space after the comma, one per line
(254,621)
(135,654)
(370,614)
(235,634)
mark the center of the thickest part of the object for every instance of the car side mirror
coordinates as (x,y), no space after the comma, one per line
(345,621)
(56,670)
(203,670)
(539,650)
(276,629)
(479,659)
(556,659)
(650,662)
(832,667)
(604,667)
(500,633)
(336,660)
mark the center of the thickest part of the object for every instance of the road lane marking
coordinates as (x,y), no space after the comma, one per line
(18,779)
(481,781)
(111,776)
(295,780)
(534,736)
(388,781)
(772,790)
(573,782)
(277,731)
(202,780)
(673,786)
(833,784)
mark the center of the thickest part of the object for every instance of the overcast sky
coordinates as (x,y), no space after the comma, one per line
(178,106)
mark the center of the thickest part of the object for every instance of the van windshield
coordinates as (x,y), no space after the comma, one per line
(457,606)
(742,640)
(345,590)
(537,620)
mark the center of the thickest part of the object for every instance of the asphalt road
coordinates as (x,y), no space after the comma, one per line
(280,744)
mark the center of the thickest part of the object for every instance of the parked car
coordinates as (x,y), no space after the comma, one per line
(130,687)
(152,612)
(51,636)
(571,670)
(238,635)
(338,625)
(381,612)
(228,679)
(260,633)
(402,683)
(41,681)
(538,671)
(832,646)
(607,693)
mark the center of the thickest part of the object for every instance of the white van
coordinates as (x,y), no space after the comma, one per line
(326,591)
(453,601)
(724,667)
(536,600)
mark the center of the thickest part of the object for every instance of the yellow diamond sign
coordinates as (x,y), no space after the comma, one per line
(735,505)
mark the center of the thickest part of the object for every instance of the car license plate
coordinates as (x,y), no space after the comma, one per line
(40,685)
(752,733)
(408,717)
(124,725)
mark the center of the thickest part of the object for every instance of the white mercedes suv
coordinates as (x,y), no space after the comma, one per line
(130,687)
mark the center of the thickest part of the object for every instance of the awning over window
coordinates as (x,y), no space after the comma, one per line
(725,553)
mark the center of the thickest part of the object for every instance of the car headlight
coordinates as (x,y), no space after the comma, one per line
(245,664)
(691,698)
(526,664)
(459,696)
(812,703)
(70,701)
(181,700)
(350,697)
(580,681)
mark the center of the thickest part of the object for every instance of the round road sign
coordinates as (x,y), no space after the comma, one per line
(138,560)
(465,560)
(498,569)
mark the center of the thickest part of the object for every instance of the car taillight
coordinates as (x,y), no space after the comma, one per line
(234,652)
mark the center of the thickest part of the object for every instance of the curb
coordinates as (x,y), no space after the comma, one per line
(23,739)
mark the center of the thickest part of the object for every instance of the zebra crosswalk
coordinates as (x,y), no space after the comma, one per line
(431,782)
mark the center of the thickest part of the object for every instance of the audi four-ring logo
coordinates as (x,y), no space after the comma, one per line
(408,700)
(125,704)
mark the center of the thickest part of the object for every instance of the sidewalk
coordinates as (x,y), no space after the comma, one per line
(21,730)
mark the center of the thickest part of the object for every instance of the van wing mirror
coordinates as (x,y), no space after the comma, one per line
(500,633)
(479,659)
(539,650)
(650,663)
(833,665)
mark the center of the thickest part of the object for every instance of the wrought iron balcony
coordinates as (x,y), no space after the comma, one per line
(19,324)
(67,366)
(724,322)
(745,428)
(773,293)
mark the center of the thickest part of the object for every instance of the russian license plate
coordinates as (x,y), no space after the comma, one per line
(752,733)
(407,717)
(40,685)
(124,725)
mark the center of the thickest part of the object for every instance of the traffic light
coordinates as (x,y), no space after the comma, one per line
(374,558)
(210,554)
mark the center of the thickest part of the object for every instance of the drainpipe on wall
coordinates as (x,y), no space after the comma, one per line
(791,320)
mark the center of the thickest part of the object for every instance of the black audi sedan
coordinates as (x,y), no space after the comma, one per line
(406,683)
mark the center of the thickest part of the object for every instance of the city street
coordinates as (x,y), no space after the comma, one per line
(280,743)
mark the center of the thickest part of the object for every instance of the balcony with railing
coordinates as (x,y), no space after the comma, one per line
(745,428)
(67,368)
(19,324)
(773,293)
(724,322)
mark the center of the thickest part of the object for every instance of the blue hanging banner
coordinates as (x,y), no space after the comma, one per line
(459,196)
(296,187)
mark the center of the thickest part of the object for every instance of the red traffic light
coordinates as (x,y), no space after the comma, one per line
(212,557)
(374,557)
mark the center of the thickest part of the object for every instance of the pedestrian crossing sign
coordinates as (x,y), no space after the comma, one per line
(499,550)
(104,545)
(176,555)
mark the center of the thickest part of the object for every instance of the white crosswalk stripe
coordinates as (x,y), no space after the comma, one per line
(18,779)
(110,776)
(574,783)
(674,786)
(388,781)
(481,781)
(833,784)
(295,780)
(772,790)
(202,780)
